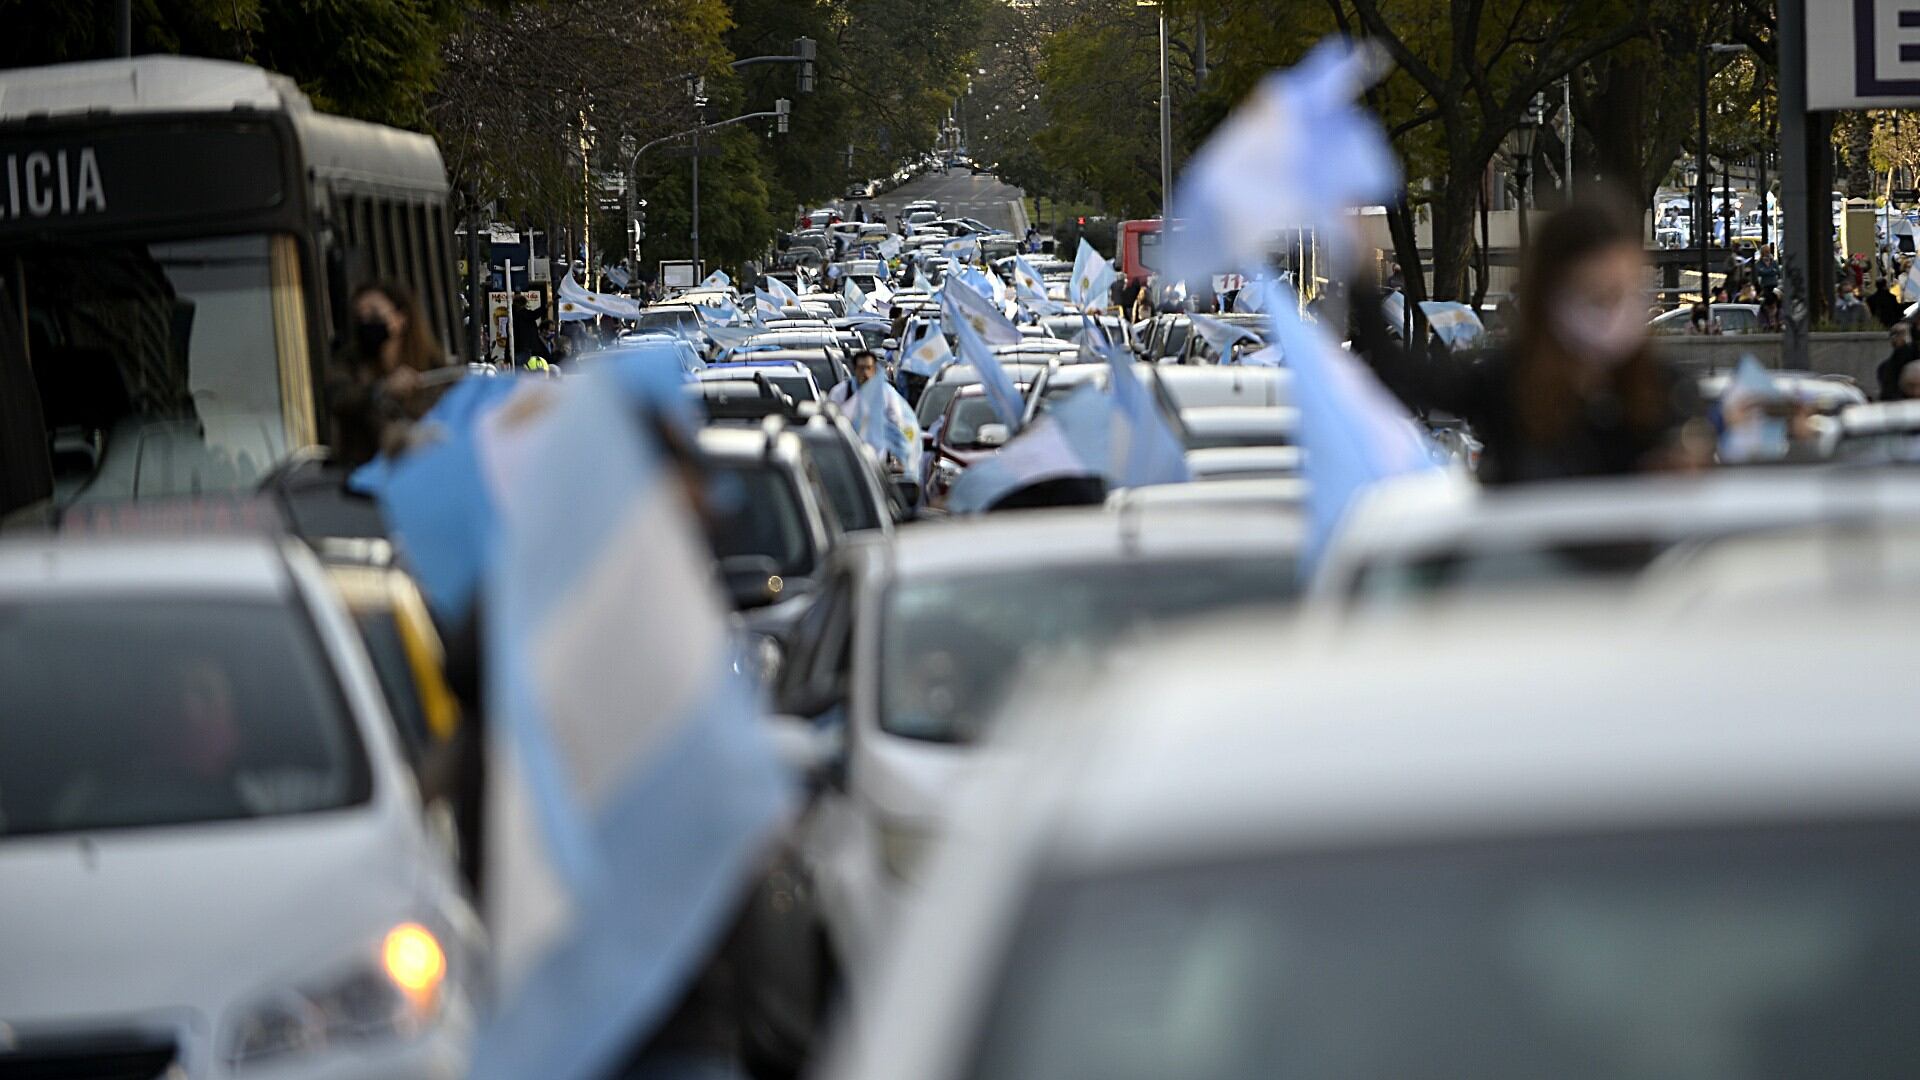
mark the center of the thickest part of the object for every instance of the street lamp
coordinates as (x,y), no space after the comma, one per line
(1166,116)
(1525,136)
(1703,202)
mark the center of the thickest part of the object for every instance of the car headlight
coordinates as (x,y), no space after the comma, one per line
(396,992)
(902,848)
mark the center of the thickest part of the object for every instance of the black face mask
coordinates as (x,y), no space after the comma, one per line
(369,335)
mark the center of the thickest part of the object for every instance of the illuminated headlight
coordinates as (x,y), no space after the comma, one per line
(902,847)
(394,993)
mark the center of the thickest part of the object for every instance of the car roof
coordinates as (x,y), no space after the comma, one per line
(967,373)
(732,369)
(1880,417)
(736,443)
(1289,737)
(238,565)
(1217,419)
(1224,493)
(997,543)
(1227,460)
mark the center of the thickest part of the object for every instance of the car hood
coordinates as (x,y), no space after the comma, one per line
(107,924)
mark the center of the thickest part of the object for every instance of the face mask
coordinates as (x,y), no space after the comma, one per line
(369,335)
(1603,334)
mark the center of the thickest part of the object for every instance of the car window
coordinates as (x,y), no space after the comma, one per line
(969,414)
(381,635)
(757,511)
(134,712)
(953,646)
(1776,951)
(812,681)
(934,400)
(847,492)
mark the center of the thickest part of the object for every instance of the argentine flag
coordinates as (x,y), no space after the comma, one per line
(1092,279)
(783,292)
(886,423)
(925,351)
(632,793)
(1002,392)
(717,280)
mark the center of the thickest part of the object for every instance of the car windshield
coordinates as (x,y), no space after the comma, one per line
(157,365)
(1494,566)
(672,319)
(839,466)
(934,400)
(969,415)
(1221,437)
(756,511)
(123,713)
(1715,954)
(953,647)
(794,385)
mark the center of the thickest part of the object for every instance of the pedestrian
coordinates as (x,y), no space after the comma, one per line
(1888,374)
(1578,390)
(1766,273)
(374,391)
(1883,305)
(896,323)
(1770,313)
(1701,321)
(1033,239)
(1848,312)
(1746,294)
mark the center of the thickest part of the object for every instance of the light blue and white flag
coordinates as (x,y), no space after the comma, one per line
(632,793)
(717,280)
(783,292)
(1222,335)
(879,298)
(1353,433)
(1455,324)
(1026,279)
(1070,441)
(618,275)
(890,247)
(1092,283)
(1295,153)
(1145,450)
(1002,392)
(767,305)
(573,298)
(855,299)
(434,500)
(963,248)
(972,279)
(965,304)
(886,423)
(925,351)
(728,338)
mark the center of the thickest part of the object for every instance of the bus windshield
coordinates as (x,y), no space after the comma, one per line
(156,364)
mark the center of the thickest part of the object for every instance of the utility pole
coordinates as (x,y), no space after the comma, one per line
(123,27)
(1166,129)
(700,118)
(1795,222)
(1566,110)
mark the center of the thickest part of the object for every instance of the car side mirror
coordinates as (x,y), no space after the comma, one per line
(752,580)
(991,435)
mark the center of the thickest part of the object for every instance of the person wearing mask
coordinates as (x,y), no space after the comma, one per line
(374,391)
(1883,305)
(1848,312)
(1888,374)
(1578,390)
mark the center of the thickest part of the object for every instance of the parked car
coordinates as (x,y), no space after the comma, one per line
(216,860)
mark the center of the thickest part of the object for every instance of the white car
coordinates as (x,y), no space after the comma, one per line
(1440,536)
(1526,843)
(914,645)
(213,858)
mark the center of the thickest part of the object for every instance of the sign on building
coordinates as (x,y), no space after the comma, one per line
(1863,54)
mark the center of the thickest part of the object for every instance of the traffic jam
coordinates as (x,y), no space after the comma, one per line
(933,649)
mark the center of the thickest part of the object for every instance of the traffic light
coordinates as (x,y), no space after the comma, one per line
(1083,219)
(804,49)
(781,108)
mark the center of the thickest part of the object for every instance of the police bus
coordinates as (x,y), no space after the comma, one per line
(178,240)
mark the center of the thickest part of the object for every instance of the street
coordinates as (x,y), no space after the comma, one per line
(507,574)
(960,194)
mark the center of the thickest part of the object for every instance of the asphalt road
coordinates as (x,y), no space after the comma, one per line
(959,193)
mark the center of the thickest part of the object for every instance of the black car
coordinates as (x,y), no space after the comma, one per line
(767,519)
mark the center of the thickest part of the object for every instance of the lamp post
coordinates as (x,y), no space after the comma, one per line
(1524,138)
(1166,115)
(1702,200)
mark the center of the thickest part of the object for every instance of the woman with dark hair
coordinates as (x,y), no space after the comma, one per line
(374,392)
(1578,392)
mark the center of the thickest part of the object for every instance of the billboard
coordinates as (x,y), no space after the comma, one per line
(1863,54)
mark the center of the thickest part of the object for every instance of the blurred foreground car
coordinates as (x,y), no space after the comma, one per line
(215,860)
(912,649)
(1253,853)
(1441,535)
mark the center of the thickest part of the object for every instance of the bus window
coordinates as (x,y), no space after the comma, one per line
(157,364)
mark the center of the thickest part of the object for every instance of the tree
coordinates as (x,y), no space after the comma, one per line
(1478,64)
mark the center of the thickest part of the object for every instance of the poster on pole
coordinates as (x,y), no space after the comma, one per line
(1863,54)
